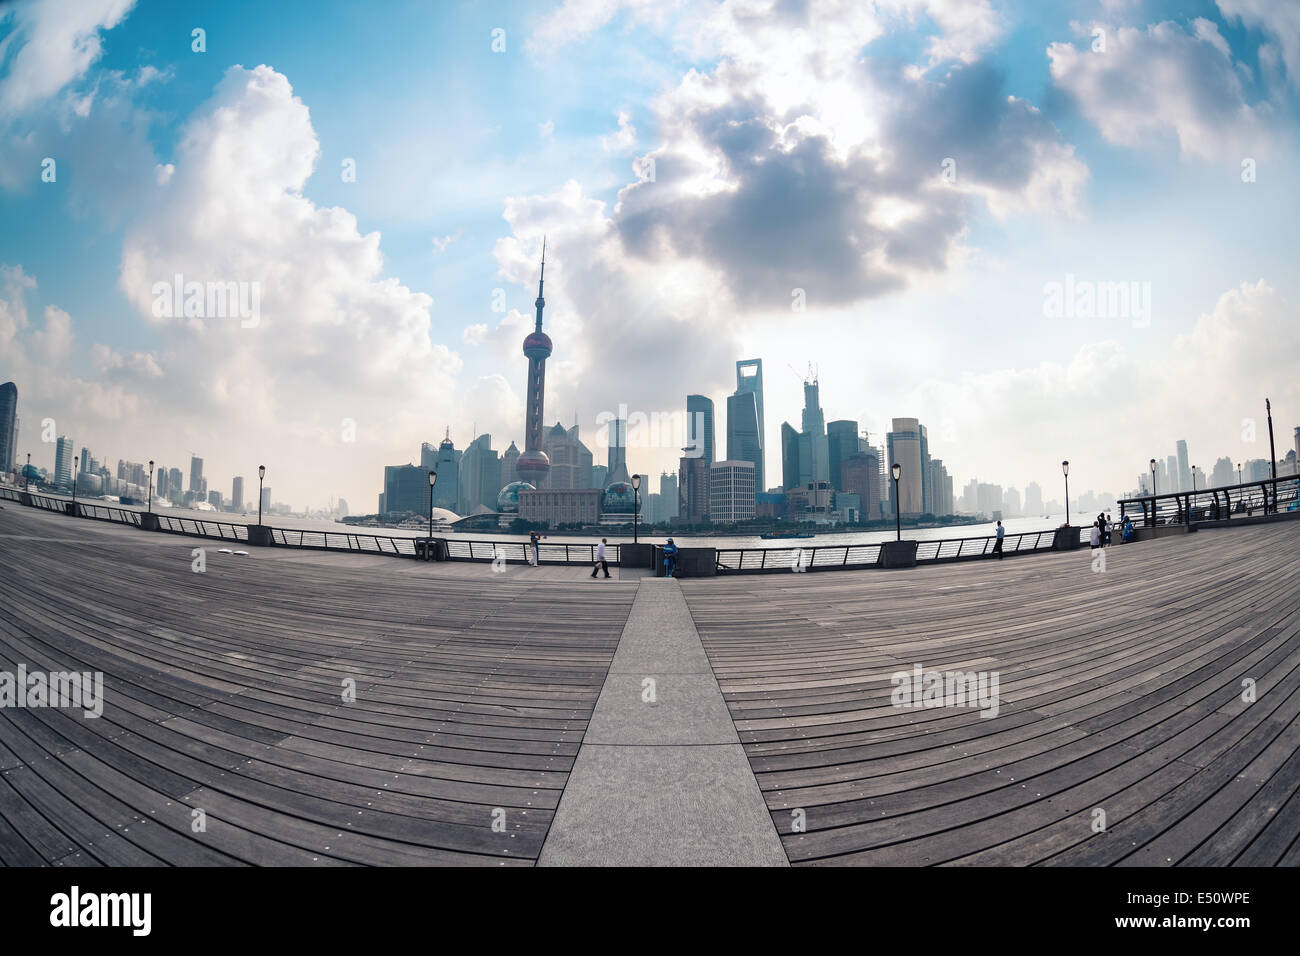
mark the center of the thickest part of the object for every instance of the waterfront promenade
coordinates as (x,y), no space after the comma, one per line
(503,718)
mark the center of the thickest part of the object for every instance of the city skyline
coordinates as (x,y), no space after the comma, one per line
(1012,286)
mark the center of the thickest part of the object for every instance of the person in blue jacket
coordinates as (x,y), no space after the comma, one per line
(670,558)
(1127,534)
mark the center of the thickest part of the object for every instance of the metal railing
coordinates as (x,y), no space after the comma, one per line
(457,549)
(345,541)
(462,549)
(1246,500)
(826,557)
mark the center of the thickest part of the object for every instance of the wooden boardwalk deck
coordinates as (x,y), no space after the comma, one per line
(1120,691)
(224,693)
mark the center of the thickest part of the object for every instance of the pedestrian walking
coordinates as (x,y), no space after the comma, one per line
(670,559)
(600,560)
(997,548)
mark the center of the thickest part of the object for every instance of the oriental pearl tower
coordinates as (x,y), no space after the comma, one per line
(533,465)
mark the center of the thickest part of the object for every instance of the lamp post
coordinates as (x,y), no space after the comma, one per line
(150,486)
(1272,455)
(261,473)
(433,480)
(75,461)
(1153,478)
(29,465)
(1065,470)
(636,506)
(1238,472)
(1193,479)
(898,505)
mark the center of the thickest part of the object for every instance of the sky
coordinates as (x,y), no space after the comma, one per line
(934,204)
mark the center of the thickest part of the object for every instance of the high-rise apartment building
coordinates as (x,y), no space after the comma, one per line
(731,491)
(63,462)
(693,490)
(196,475)
(237,494)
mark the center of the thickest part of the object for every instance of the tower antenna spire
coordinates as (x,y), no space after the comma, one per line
(541,283)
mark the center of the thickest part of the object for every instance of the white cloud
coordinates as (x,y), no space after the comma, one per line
(1139,401)
(336,339)
(1164,81)
(624,139)
(51,44)
(1280,21)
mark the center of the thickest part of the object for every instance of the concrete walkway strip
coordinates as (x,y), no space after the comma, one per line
(661,778)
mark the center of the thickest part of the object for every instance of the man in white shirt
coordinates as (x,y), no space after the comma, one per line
(600,560)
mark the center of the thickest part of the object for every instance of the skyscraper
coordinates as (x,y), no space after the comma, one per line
(841,442)
(237,494)
(1033,499)
(174,486)
(744,441)
(904,444)
(533,465)
(668,495)
(749,380)
(617,459)
(571,460)
(446,493)
(480,475)
(860,475)
(699,428)
(693,490)
(63,462)
(84,466)
(8,426)
(1184,471)
(509,464)
(814,426)
(196,477)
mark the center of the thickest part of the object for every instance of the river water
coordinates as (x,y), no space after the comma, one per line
(828,537)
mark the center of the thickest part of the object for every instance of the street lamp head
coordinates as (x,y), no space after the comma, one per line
(636,482)
(1153,464)
(897,470)
(261,471)
(151,466)
(1065,468)
(433,478)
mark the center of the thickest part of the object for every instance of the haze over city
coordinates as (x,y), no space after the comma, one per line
(1043,235)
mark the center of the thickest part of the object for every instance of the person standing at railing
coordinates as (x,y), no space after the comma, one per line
(1109,527)
(1094,536)
(997,548)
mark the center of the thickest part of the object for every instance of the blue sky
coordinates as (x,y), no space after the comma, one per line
(797,145)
